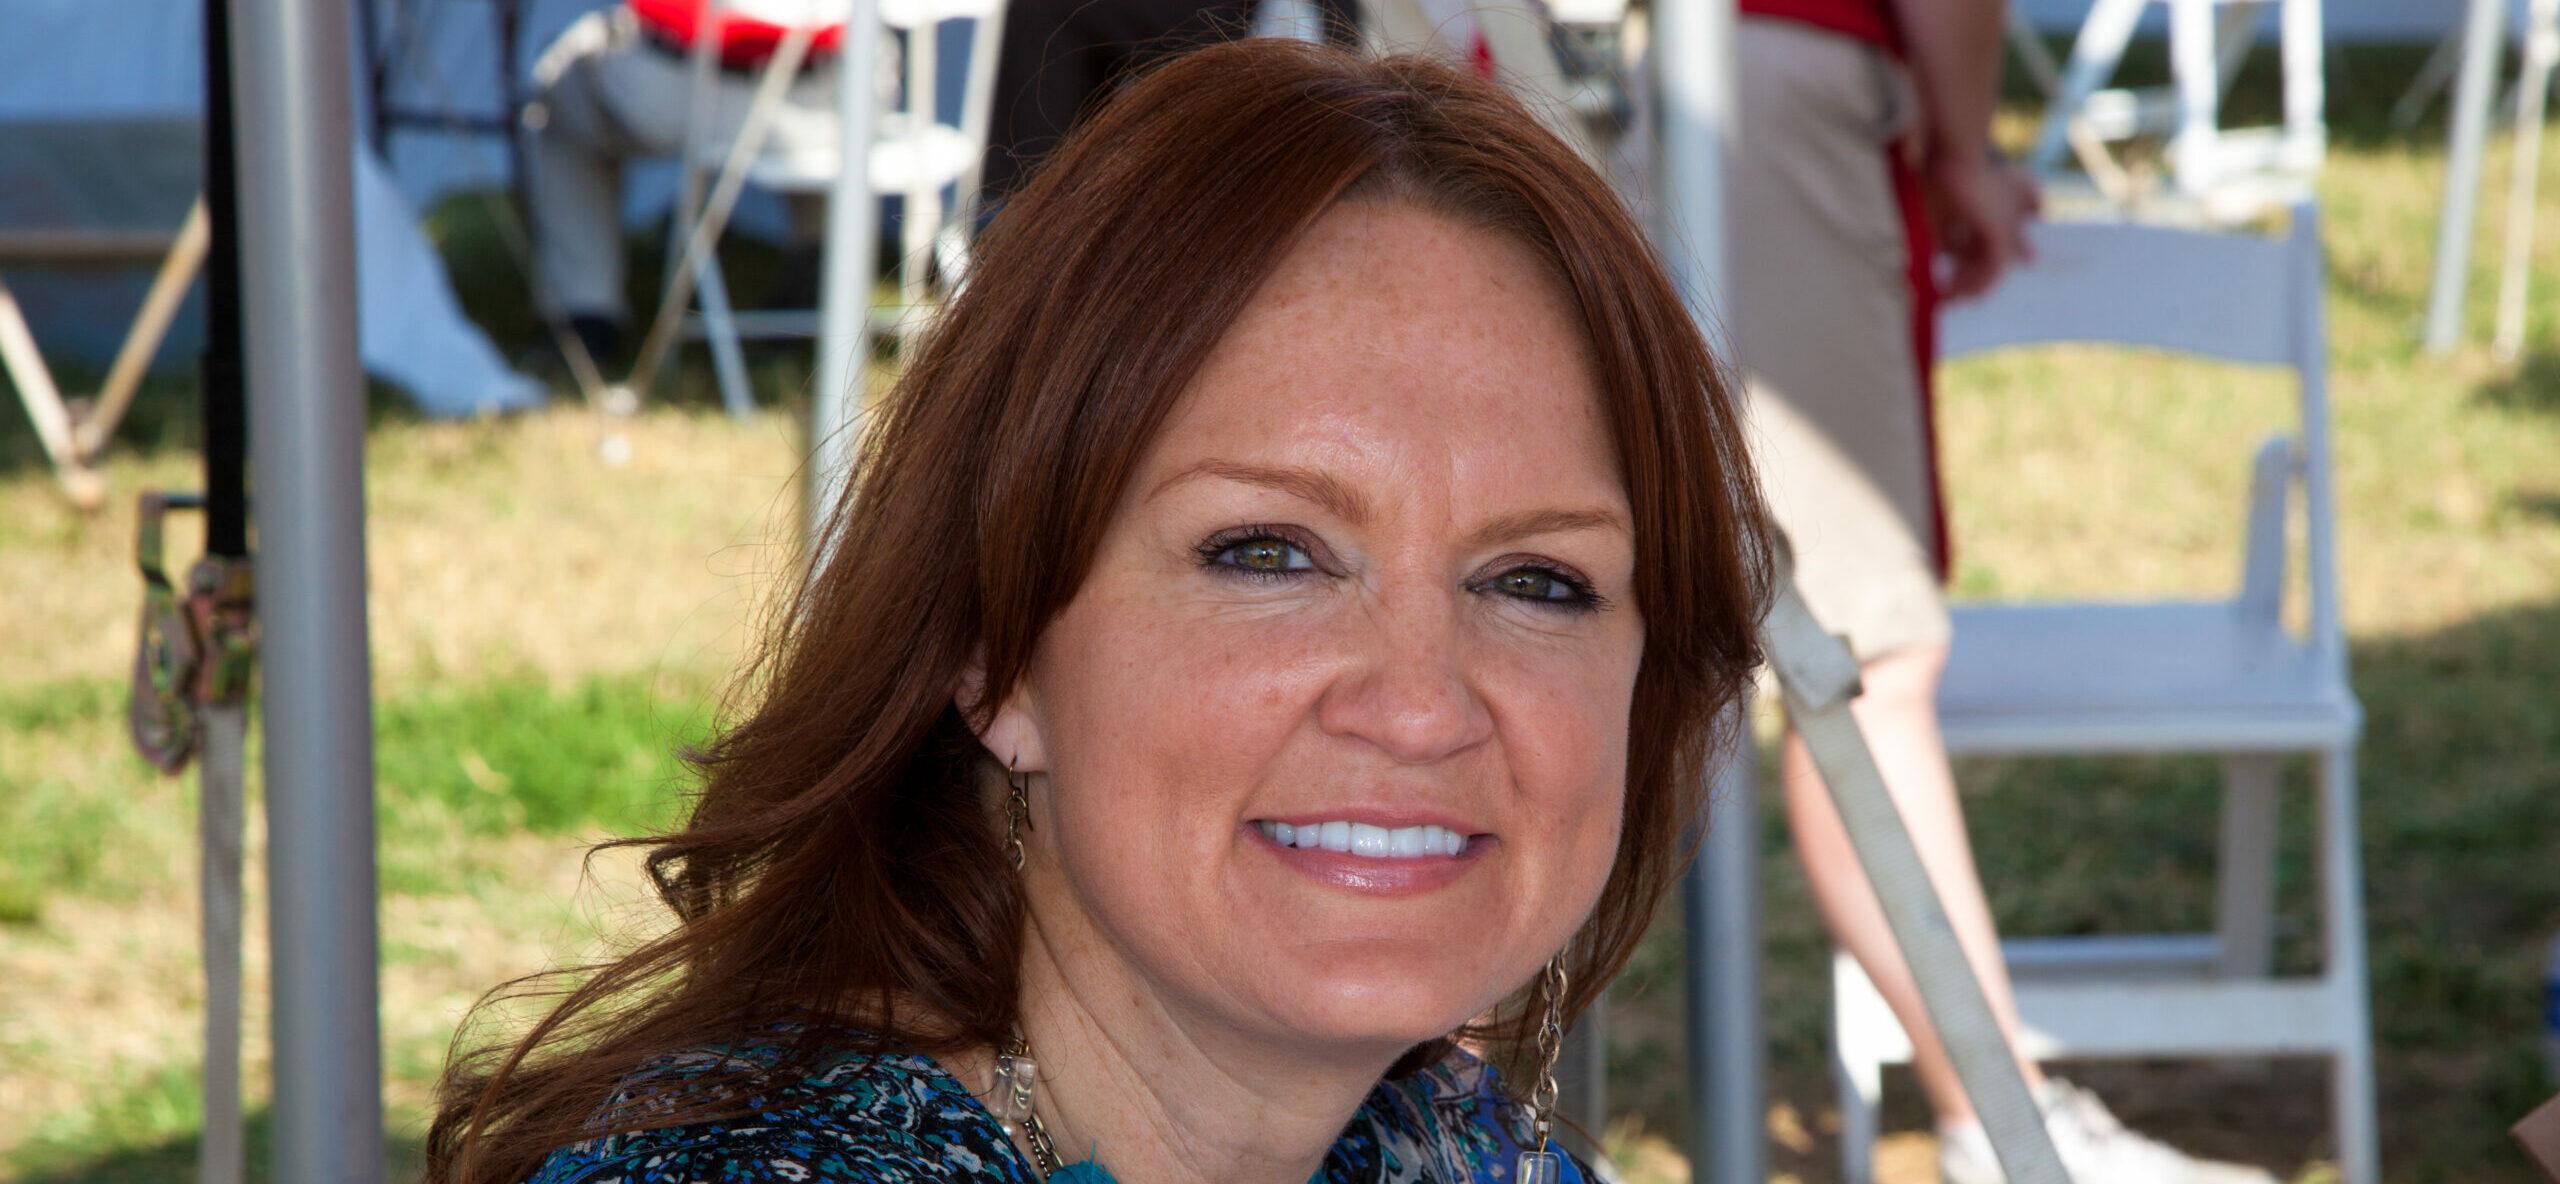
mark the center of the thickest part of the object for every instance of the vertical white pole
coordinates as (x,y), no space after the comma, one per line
(2471,98)
(2533,92)
(853,227)
(1693,59)
(306,438)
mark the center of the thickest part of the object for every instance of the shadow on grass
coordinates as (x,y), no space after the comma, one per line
(173,1161)
(2460,797)
(2533,386)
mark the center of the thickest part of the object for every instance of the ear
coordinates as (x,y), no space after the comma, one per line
(1011,730)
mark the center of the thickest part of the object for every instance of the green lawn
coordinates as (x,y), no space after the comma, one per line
(547,629)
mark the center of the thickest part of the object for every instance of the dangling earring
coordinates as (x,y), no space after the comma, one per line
(1017,812)
(1543,1166)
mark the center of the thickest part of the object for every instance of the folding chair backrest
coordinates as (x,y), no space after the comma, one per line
(2241,298)
(2225,296)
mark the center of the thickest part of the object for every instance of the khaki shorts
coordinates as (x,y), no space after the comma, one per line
(1821,318)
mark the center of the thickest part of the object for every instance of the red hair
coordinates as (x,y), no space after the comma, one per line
(843,865)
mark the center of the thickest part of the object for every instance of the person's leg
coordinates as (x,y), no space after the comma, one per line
(1898,714)
(1822,316)
(573,181)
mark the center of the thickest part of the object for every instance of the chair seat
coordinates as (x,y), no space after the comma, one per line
(2136,678)
(940,156)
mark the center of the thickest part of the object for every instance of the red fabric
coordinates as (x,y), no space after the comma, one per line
(1922,246)
(744,40)
(1870,21)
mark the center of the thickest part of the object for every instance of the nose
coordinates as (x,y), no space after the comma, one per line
(1406,690)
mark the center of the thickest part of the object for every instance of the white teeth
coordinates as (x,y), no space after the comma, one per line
(1370,842)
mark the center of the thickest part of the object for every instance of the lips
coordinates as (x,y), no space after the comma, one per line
(1390,856)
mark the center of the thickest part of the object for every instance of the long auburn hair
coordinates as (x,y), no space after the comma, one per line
(840,884)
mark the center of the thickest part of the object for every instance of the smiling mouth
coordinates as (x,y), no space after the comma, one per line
(1362,839)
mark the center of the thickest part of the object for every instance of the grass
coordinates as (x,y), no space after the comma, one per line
(548,630)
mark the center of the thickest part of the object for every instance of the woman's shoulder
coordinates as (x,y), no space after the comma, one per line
(1452,1122)
(873,1118)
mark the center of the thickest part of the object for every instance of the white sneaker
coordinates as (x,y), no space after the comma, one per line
(2095,1149)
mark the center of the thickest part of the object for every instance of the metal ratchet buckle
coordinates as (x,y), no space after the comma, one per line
(193,651)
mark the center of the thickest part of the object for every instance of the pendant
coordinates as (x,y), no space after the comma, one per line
(1539,1167)
(1012,1101)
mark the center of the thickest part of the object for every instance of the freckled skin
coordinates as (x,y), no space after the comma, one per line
(1436,373)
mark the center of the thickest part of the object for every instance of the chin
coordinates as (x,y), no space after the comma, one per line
(1375,994)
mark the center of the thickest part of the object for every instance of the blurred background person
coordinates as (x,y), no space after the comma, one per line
(1059,57)
(616,85)
(1865,189)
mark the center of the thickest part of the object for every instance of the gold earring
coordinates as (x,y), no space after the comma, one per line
(1543,1166)
(1017,811)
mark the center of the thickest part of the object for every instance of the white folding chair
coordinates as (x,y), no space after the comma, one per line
(917,156)
(2225,677)
(2233,173)
(72,444)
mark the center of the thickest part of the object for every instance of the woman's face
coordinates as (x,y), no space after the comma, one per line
(1335,731)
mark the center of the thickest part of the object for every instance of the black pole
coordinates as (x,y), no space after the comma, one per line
(225,398)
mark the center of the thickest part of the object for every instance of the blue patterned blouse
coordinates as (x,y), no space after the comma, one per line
(902,1119)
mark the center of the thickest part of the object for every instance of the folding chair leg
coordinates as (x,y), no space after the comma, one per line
(1857,1068)
(2246,880)
(25,366)
(2341,891)
(2306,84)
(2026,41)
(720,330)
(2533,91)
(1861,1097)
(2198,77)
(159,306)
(2433,76)
(2094,56)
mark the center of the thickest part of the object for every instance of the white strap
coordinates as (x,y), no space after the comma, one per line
(221,1154)
(1820,679)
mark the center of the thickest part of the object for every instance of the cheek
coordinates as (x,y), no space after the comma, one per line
(1564,726)
(1177,712)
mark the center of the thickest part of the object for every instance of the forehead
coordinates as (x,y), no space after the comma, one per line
(1388,323)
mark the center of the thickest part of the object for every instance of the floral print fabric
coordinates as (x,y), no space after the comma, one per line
(903,1120)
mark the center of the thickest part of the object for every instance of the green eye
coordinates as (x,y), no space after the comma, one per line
(1264,555)
(1529,583)
(1546,587)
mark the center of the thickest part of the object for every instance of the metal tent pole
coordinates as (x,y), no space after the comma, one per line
(306,434)
(1693,59)
(2481,34)
(1728,1054)
(852,258)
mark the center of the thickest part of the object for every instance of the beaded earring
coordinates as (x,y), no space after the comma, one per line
(1544,1166)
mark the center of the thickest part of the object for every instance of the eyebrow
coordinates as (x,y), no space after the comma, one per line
(1537,522)
(1341,501)
(1306,484)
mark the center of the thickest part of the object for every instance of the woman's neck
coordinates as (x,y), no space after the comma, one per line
(1159,1098)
